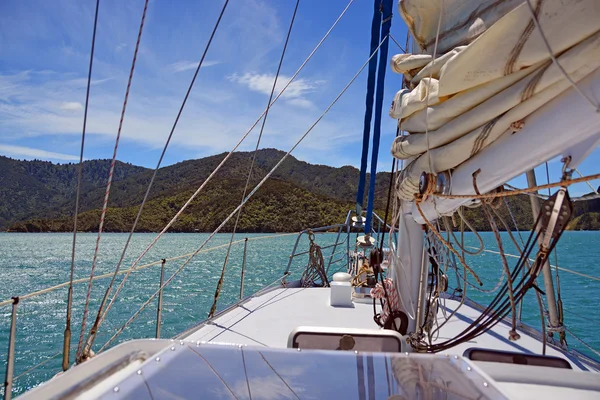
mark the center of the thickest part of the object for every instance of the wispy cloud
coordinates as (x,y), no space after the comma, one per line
(295,92)
(182,66)
(28,152)
(71,106)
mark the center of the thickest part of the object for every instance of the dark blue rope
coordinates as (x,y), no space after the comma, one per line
(375,28)
(386,10)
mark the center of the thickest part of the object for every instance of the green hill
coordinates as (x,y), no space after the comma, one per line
(38,196)
(300,190)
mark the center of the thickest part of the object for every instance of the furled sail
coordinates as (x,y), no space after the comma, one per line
(469,96)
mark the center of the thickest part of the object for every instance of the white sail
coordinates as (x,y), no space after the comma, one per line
(490,87)
(462,22)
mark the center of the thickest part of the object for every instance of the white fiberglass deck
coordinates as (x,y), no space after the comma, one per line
(268,319)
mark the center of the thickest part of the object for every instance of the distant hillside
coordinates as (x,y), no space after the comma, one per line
(38,196)
(39,188)
(586,222)
(54,209)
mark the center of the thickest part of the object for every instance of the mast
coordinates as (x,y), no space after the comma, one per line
(547,273)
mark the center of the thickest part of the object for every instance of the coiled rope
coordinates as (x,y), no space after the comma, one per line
(315,270)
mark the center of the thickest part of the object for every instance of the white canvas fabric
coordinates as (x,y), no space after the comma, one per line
(403,63)
(578,62)
(514,43)
(406,102)
(462,20)
(439,114)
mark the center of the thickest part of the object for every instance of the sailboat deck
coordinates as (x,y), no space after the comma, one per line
(268,319)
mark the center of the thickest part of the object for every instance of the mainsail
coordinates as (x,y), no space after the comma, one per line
(487,76)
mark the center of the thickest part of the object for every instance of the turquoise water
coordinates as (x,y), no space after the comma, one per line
(30,262)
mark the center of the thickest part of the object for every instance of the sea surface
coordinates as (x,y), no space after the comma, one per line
(30,262)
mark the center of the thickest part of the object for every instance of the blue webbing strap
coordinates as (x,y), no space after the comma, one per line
(386,11)
(375,28)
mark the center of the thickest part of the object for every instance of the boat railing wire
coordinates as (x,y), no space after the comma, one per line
(65,285)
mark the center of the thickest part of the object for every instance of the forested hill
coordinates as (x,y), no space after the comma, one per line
(39,196)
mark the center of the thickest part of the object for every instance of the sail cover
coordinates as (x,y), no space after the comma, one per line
(484,82)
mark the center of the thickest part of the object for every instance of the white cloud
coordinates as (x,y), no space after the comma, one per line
(182,66)
(71,106)
(28,152)
(294,93)
(302,103)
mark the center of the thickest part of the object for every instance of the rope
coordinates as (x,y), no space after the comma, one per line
(389,197)
(583,343)
(555,61)
(243,202)
(67,334)
(213,308)
(588,183)
(512,334)
(100,317)
(397,44)
(435,47)
(109,183)
(595,278)
(447,244)
(214,172)
(316,265)
(472,228)
(509,193)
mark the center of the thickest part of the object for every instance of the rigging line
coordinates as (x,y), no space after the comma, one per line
(472,228)
(595,278)
(243,202)
(491,195)
(397,44)
(262,128)
(447,244)
(582,342)
(100,315)
(537,294)
(435,47)
(389,197)
(141,267)
(588,183)
(67,333)
(555,61)
(588,197)
(110,177)
(218,167)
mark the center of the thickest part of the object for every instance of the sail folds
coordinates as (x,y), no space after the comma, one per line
(479,92)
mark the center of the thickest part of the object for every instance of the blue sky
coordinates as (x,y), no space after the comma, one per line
(43,68)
